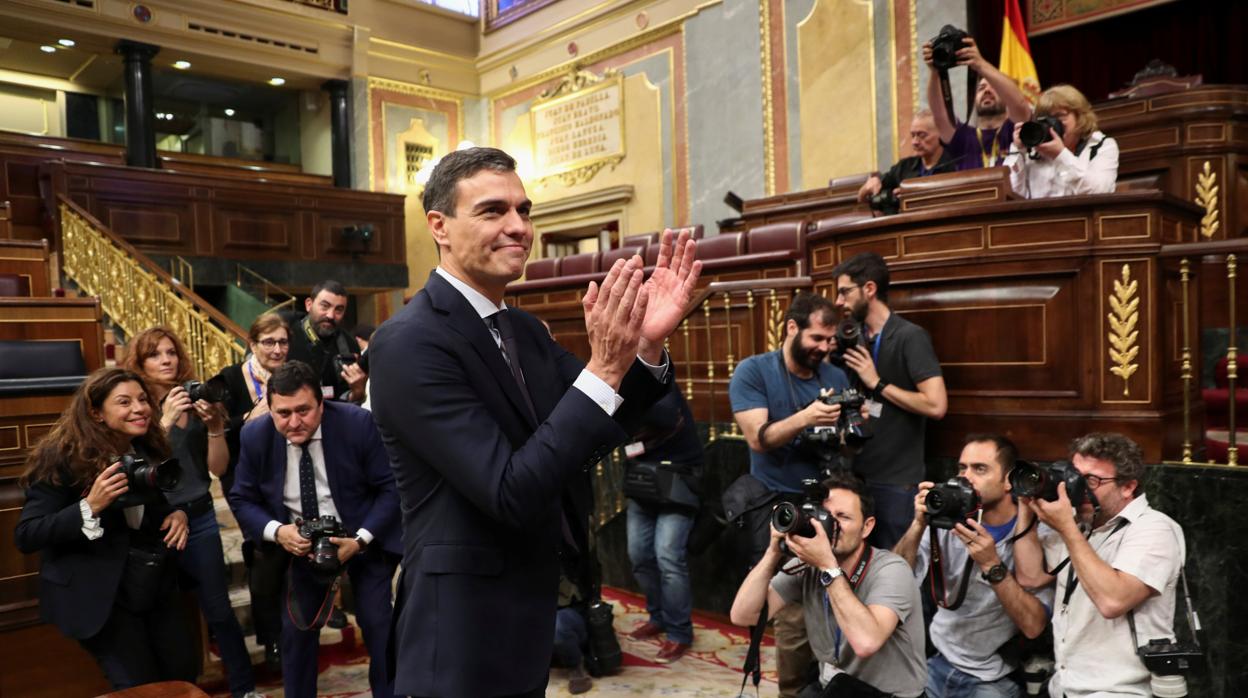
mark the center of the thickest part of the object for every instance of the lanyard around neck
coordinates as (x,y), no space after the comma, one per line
(988,158)
(860,573)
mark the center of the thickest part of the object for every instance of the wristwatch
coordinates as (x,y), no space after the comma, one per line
(829,575)
(359,540)
(995,574)
(878,391)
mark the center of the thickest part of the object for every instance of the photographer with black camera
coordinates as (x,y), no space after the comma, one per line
(315,479)
(1116,583)
(896,366)
(792,435)
(980,604)
(1061,152)
(192,414)
(999,103)
(929,158)
(105,534)
(860,604)
(319,340)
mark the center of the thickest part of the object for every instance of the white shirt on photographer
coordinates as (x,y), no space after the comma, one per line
(290,492)
(1095,657)
(1068,174)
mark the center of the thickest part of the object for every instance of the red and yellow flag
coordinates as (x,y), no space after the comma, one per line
(1016,54)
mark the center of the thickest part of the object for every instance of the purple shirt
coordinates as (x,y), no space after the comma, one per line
(972,148)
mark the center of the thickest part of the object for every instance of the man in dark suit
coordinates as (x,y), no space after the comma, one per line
(490,427)
(319,458)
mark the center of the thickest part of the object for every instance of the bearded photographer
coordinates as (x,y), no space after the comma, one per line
(775,400)
(1116,561)
(980,604)
(105,577)
(930,157)
(896,366)
(1061,152)
(861,606)
(318,340)
(315,479)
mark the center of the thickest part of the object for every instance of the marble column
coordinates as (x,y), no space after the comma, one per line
(340,130)
(140,117)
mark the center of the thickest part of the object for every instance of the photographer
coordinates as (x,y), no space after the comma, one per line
(1075,158)
(104,575)
(897,367)
(999,104)
(196,433)
(860,603)
(270,343)
(317,339)
(664,468)
(929,158)
(980,605)
(1115,587)
(775,402)
(315,479)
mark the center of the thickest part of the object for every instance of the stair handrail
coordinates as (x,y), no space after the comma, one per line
(265,285)
(136,293)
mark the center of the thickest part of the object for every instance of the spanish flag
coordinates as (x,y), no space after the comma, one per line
(1016,54)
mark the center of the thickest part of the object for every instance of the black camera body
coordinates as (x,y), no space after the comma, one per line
(885,202)
(341,361)
(146,481)
(1033,133)
(319,530)
(849,334)
(946,45)
(951,503)
(800,519)
(1033,480)
(212,390)
(1168,658)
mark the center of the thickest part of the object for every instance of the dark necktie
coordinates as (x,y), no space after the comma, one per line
(511,354)
(307,485)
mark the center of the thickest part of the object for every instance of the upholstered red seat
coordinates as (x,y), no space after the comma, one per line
(609,257)
(577,264)
(542,269)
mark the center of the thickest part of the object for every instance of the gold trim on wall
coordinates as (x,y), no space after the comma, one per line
(769,121)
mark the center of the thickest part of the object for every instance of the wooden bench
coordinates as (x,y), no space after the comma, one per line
(27,260)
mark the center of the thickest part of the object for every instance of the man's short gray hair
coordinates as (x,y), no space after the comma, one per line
(1125,454)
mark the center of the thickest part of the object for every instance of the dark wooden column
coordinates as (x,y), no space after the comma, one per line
(340,130)
(140,119)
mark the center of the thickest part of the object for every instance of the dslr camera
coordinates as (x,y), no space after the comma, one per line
(885,202)
(946,45)
(325,564)
(212,390)
(1033,480)
(341,361)
(147,480)
(849,332)
(951,503)
(1033,133)
(801,519)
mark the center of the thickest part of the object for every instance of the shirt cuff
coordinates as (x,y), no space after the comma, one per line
(596,389)
(270,531)
(365,535)
(91,527)
(659,372)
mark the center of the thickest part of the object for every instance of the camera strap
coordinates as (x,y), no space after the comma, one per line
(322,614)
(936,575)
(753,667)
(946,93)
(1072,582)
(1193,621)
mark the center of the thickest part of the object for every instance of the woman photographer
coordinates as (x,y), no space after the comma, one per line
(104,576)
(270,343)
(1074,160)
(196,434)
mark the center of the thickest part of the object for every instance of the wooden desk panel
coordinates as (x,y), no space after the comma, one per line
(28,259)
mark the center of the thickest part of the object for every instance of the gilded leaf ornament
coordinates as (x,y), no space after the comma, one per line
(1123,318)
(1207,198)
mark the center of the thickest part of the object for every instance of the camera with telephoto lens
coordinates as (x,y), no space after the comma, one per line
(951,503)
(1033,133)
(1033,480)
(325,564)
(341,361)
(849,334)
(212,390)
(800,519)
(146,481)
(946,45)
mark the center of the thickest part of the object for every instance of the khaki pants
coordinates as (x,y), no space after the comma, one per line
(793,655)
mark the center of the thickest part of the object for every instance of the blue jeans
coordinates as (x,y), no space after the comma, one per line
(894,511)
(657,542)
(204,561)
(944,681)
(570,635)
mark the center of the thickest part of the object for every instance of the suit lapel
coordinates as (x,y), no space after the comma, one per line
(465,320)
(331,440)
(538,370)
(279,465)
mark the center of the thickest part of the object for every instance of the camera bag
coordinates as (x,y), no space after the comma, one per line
(648,482)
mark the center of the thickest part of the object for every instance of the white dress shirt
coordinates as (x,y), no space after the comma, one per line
(592,386)
(291,496)
(1067,174)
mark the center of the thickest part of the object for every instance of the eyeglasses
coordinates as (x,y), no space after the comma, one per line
(1094,481)
(270,343)
(844,291)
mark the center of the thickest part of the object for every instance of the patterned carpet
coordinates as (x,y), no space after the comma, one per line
(711,668)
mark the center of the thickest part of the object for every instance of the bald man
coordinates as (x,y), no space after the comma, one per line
(929,158)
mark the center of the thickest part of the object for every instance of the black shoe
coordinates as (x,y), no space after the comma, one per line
(337,619)
(273,656)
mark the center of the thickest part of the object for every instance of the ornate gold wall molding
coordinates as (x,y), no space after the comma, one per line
(1123,337)
(1207,198)
(769,121)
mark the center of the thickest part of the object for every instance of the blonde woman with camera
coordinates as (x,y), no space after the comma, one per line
(1061,152)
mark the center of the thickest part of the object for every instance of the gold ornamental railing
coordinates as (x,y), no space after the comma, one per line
(135,293)
(273,295)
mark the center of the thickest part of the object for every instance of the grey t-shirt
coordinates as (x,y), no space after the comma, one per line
(189,445)
(970,636)
(898,667)
(905,358)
